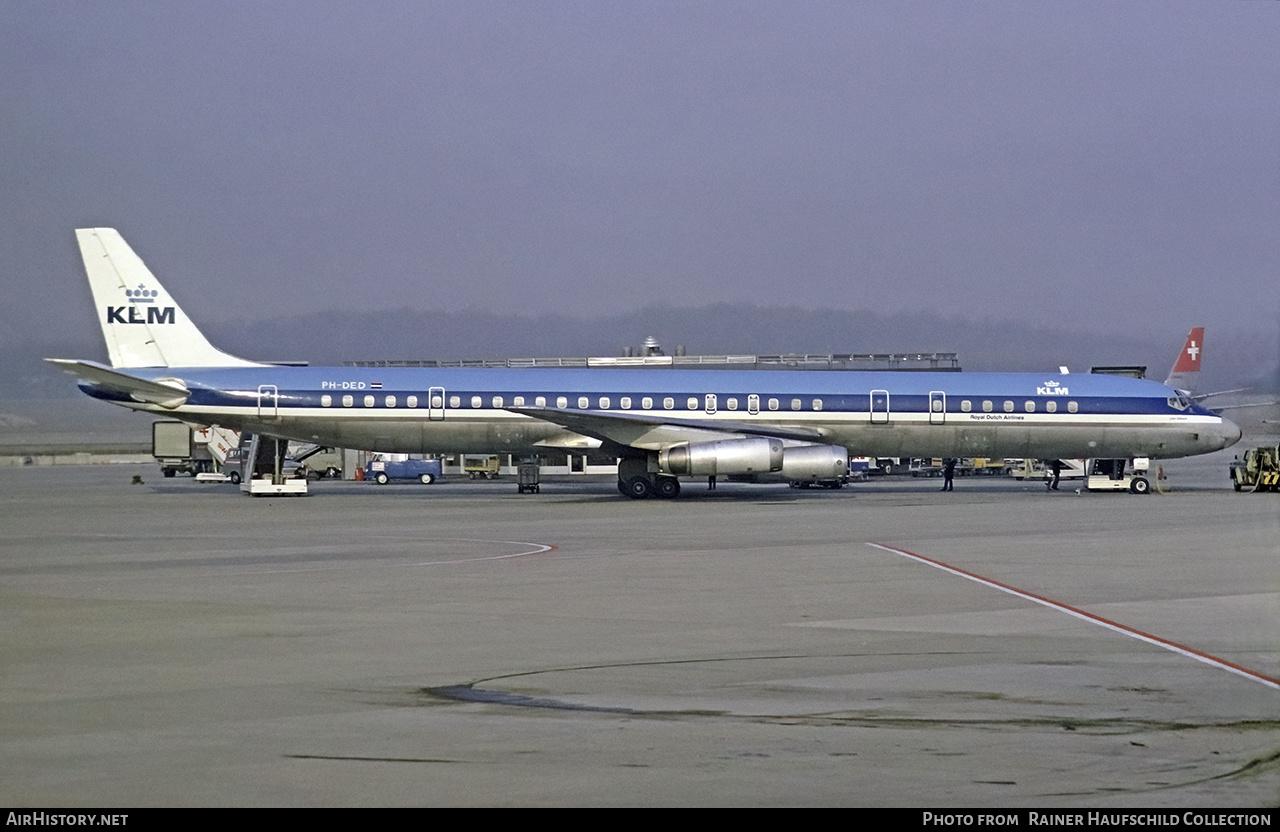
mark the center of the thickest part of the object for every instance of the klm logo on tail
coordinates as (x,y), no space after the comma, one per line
(155,314)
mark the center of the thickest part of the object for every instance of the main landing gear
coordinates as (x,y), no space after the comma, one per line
(636,481)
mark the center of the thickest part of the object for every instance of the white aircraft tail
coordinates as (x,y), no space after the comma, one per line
(142,324)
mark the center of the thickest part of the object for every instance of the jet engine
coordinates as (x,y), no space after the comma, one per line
(815,462)
(726,456)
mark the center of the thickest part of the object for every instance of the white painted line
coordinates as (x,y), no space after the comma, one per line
(538,548)
(1173,646)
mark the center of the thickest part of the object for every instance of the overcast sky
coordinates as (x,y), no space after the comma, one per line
(1095,164)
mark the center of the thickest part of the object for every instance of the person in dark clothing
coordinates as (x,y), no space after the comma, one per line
(1056,468)
(948,473)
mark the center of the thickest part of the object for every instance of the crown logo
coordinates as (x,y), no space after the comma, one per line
(141,294)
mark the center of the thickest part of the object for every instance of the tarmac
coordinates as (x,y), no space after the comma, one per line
(172,643)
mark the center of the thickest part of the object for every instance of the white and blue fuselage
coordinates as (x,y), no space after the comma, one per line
(882,413)
(662,423)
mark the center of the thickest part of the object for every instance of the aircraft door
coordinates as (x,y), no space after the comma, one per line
(879,407)
(753,404)
(937,407)
(435,404)
(268,401)
(710,403)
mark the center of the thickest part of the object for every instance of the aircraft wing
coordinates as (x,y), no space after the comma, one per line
(155,392)
(657,432)
(1218,408)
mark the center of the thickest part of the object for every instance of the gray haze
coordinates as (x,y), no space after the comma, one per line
(1087,167)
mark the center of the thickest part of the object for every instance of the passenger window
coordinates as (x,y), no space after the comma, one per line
(1031,406)
(817,404)
(540,401)
(368,401)
(391,401)
(732,404)
(604,402)
(646,403)
(692,403)
(1071,407)
(326,401)
(936,405)
(561,401)
(347,401)
(965,405)
(1051,406)
(518,401)
(583,402)
(986,406)
(668,403)
(455,401)
(411,401)
(497,401)
(773,404)
(1008,406)
(626,402)
(475,401)
(795,404)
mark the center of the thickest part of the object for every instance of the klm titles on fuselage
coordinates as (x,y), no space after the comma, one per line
(1052,388)
(155,315)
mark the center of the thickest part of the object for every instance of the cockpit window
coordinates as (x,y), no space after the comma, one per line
(1179,402)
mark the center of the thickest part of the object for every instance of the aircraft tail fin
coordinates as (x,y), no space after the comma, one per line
(1186,369)
(142,324)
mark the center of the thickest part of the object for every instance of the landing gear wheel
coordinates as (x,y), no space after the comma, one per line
(638,488)
(667,488)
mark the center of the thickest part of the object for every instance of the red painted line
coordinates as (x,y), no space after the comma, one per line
(1182,649)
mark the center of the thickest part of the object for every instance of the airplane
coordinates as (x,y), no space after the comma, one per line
(661,424)
(1186,372)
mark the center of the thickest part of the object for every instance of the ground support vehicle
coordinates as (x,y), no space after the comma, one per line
(1040,469)
(177,449)
(528,476)
(1258,471)
(989,467)
(926,467)
(481,467)
(889,464)
(1113,475)
(386,467)
(316,462)
(180,448)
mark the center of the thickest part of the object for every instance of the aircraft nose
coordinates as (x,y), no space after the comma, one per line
(1228,433)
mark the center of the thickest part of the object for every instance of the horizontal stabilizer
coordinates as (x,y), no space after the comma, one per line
(168,393)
